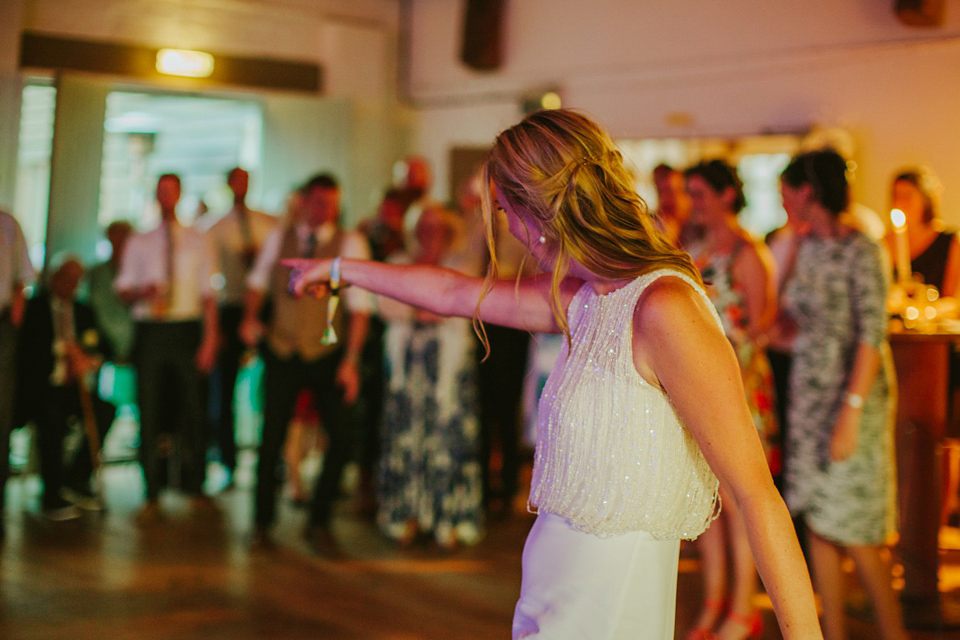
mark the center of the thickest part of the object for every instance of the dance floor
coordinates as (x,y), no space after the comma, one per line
(193,575)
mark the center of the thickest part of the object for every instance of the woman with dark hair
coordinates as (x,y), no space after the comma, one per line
(645,402)
(840,465)
(934,251)
(738,273)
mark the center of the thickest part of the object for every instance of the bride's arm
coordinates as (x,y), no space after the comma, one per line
(677,341)
(447,292)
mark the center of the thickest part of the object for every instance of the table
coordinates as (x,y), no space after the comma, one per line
(922,364)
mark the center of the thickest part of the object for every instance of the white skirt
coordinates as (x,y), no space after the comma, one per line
(579,586)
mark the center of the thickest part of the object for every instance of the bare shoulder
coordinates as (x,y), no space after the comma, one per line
(667,302)
(670,318)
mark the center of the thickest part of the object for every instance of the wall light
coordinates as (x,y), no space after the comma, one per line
(183,62)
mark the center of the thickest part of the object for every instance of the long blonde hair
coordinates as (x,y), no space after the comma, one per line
(564,170)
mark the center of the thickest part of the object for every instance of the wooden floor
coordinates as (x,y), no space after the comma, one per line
(193,575)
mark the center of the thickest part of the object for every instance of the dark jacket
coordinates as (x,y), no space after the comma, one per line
(35,358)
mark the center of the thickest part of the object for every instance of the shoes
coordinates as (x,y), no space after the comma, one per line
(261,540)
(322,542)
(59,510)
(748,627)
(718,608)
(150,512)
(83,498)
(751,624)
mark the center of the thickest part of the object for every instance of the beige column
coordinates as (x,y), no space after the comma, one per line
(75,166)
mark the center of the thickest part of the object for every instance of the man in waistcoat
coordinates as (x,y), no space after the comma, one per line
(296,355)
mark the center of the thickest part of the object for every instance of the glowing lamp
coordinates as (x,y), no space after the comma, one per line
(550,100)
(183,62)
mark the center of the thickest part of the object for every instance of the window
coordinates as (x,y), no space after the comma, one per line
(32,198)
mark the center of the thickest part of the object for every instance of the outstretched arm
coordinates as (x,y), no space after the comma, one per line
(446,292)
(678,345)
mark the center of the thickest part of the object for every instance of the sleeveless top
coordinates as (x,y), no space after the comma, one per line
(612,454)
(932,262)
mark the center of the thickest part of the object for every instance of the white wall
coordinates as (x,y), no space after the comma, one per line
(728,68)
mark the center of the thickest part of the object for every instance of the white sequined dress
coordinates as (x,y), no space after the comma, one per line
(618,481)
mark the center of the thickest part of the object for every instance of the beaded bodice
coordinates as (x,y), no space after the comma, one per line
(612,454)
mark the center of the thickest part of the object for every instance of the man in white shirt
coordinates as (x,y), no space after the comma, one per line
(295,354)
(236,238)
(16,272)
(166,275)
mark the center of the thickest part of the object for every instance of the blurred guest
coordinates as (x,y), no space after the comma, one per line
(412,176)
(386,236)
(934,251)
(839,473)
(673,206)
(384,231)
(302,438)
(166,275)
(297,355)
(16,272)
(429,470)
(784,243)
(236,237)
(59,346)
(738,272)
(113,315)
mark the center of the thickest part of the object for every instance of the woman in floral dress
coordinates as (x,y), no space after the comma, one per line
(839,474)
(429,475)
(738,273)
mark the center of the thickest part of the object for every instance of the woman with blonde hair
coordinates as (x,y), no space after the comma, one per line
(645,402)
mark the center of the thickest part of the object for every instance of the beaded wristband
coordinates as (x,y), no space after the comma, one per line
(335,274)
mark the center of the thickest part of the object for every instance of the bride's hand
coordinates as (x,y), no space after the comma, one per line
(308,276)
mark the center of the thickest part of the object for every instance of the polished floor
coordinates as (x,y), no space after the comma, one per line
(194,575)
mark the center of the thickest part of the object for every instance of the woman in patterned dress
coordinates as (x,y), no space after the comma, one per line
(839,474)
(645,403)
(738,273)
(429,476)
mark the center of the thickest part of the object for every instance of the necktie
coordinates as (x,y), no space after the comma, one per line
(249,251)
(310,245)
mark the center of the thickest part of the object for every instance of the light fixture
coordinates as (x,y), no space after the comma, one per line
(551,100)
(183,62)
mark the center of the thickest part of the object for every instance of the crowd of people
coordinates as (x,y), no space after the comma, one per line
(398,391)
(400,383)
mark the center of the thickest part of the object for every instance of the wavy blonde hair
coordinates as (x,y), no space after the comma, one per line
(563,170)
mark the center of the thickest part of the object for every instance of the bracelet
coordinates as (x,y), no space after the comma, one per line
(335,273)
(854,400)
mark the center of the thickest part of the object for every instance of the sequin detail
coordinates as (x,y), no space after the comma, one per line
(612,454)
